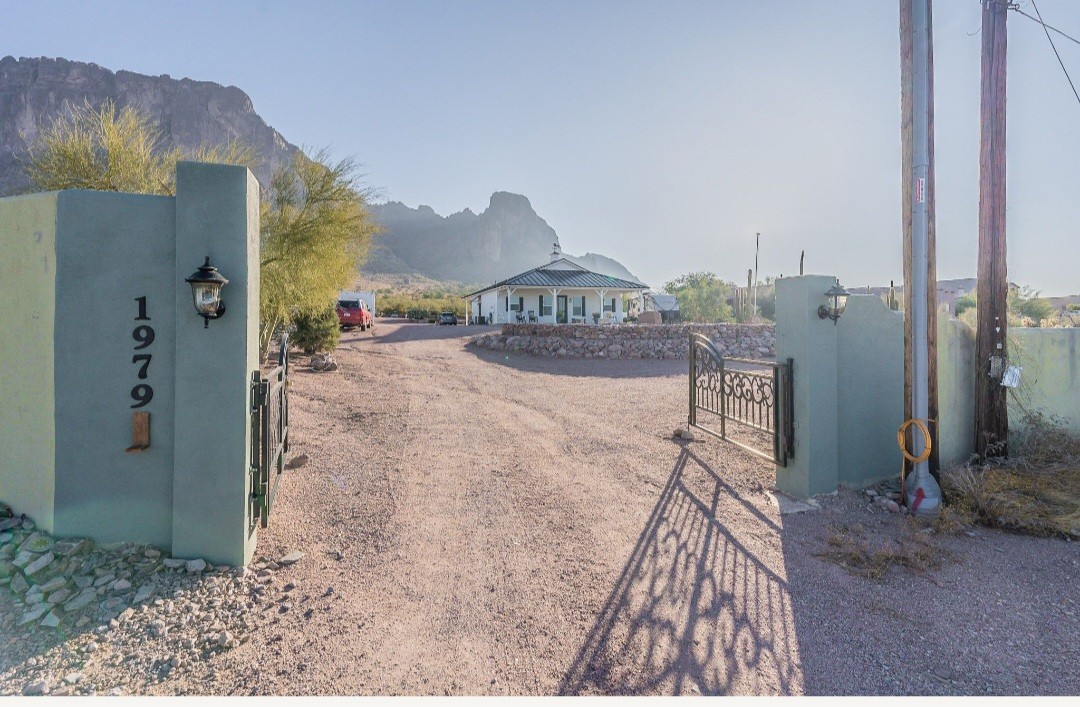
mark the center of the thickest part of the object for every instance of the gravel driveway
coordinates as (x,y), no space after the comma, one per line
(482,523)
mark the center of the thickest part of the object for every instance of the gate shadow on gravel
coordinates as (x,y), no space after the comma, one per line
(694,609)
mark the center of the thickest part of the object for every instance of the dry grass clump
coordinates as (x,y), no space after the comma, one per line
(849,547)
(1036,491)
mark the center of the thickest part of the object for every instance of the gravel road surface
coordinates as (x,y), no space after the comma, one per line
(481,523)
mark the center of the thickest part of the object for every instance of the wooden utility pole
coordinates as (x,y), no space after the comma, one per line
(920,359)
(991,413)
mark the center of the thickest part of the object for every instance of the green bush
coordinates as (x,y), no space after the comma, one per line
(964,303)
(317,332)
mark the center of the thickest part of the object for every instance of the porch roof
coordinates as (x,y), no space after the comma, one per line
(574,279)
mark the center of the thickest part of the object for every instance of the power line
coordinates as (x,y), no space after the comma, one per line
(1053,46)
(1016,9)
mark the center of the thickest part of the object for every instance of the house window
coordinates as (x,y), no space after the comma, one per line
(518,305)
(609,305)
(579,306)
(545,307)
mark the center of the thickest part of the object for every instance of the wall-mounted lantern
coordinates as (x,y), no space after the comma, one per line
(206,284)
(835,310)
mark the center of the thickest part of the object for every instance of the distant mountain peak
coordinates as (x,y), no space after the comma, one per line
(507,238)
(510,202)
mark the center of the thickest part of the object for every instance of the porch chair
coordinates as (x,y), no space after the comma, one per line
(532,317)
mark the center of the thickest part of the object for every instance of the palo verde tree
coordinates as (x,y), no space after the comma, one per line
(316,226)
(702,297)
(114,150)
(316,231)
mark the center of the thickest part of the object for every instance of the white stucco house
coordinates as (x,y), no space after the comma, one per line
(558,292)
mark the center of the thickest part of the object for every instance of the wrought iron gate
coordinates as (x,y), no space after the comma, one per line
(269,433)
(757,399)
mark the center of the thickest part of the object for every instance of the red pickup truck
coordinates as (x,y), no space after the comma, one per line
(352,313)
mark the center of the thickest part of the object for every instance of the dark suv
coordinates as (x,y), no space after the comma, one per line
(448,318)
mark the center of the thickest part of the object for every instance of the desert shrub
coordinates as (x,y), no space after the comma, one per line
(1025,307)
(400,304)
(318,331)
(964,303)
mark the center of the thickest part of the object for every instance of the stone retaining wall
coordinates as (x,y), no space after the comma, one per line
(665,341)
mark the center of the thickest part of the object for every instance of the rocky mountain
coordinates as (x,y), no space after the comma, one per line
(189,113)
(507,238)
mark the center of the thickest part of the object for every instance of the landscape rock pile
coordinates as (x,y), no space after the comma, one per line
(886,500)
(77,619)
(624,341)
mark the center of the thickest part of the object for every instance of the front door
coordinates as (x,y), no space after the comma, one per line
(560,309)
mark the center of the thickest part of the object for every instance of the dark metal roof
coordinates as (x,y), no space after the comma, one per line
(578,278)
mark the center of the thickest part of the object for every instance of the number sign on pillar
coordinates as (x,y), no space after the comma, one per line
(143,334)
(141,393)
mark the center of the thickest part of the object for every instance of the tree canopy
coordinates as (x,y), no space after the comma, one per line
(316,226)
(702,297)
(316,231)
(107,149)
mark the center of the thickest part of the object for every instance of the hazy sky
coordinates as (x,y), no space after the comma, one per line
(662,134)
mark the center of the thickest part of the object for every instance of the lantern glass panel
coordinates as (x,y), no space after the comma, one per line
(207,295)
(840,304)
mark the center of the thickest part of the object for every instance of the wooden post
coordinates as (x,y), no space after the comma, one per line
(908,169)
(991,413)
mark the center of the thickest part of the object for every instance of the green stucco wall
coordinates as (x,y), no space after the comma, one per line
(1050,380)
(112,248)
(849,386)
(75,266)
(956,392)
(28,285)
(811,342)
(870,385)
(217,214)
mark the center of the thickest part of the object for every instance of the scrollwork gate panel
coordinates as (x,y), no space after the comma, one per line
(757,399)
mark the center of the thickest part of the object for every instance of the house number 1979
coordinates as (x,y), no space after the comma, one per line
(143,334)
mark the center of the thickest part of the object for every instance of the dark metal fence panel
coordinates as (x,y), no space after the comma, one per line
(270,434)
(757,399)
